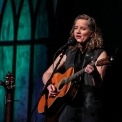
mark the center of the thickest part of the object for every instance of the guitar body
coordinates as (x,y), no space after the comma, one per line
(66,93)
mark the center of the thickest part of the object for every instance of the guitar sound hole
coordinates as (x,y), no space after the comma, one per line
(61,86)
(63,82)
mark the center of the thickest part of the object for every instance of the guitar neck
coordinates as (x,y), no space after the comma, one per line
(100,62)
(79,73)
(74,76)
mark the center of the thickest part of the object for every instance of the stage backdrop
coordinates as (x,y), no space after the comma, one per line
(23,34)
(31,31)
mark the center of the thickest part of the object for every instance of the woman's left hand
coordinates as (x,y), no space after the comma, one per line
(89,69)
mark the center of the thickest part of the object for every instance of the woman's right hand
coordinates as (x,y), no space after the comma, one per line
(52,90)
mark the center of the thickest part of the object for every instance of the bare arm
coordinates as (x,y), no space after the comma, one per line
(102,69)
(46,76)
(49,71)
(98,72)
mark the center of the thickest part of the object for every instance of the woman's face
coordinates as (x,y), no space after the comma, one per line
(82,32)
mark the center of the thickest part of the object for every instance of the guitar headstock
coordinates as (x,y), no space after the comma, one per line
(105,61)
(9,82)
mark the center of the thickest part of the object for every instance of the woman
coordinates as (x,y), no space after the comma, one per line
(86,105)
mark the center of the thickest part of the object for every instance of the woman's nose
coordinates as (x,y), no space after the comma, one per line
(78,30)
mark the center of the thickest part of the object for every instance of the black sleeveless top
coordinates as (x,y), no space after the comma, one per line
(78,61)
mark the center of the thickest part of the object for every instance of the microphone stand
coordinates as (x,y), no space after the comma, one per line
(45,91)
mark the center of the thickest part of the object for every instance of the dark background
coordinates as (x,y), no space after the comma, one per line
(108,16)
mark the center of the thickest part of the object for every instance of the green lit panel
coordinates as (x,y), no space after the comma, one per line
(6,60)
(40,60)
(22,82)
(40,65)
(7,29)
(42,29)
(1,3)
(24,29)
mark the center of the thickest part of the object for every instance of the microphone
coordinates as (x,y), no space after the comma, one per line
(71,42)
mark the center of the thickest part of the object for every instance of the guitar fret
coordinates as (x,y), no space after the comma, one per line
(76,75)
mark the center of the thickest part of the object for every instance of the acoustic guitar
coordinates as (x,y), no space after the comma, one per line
(9,85)
(64,83)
